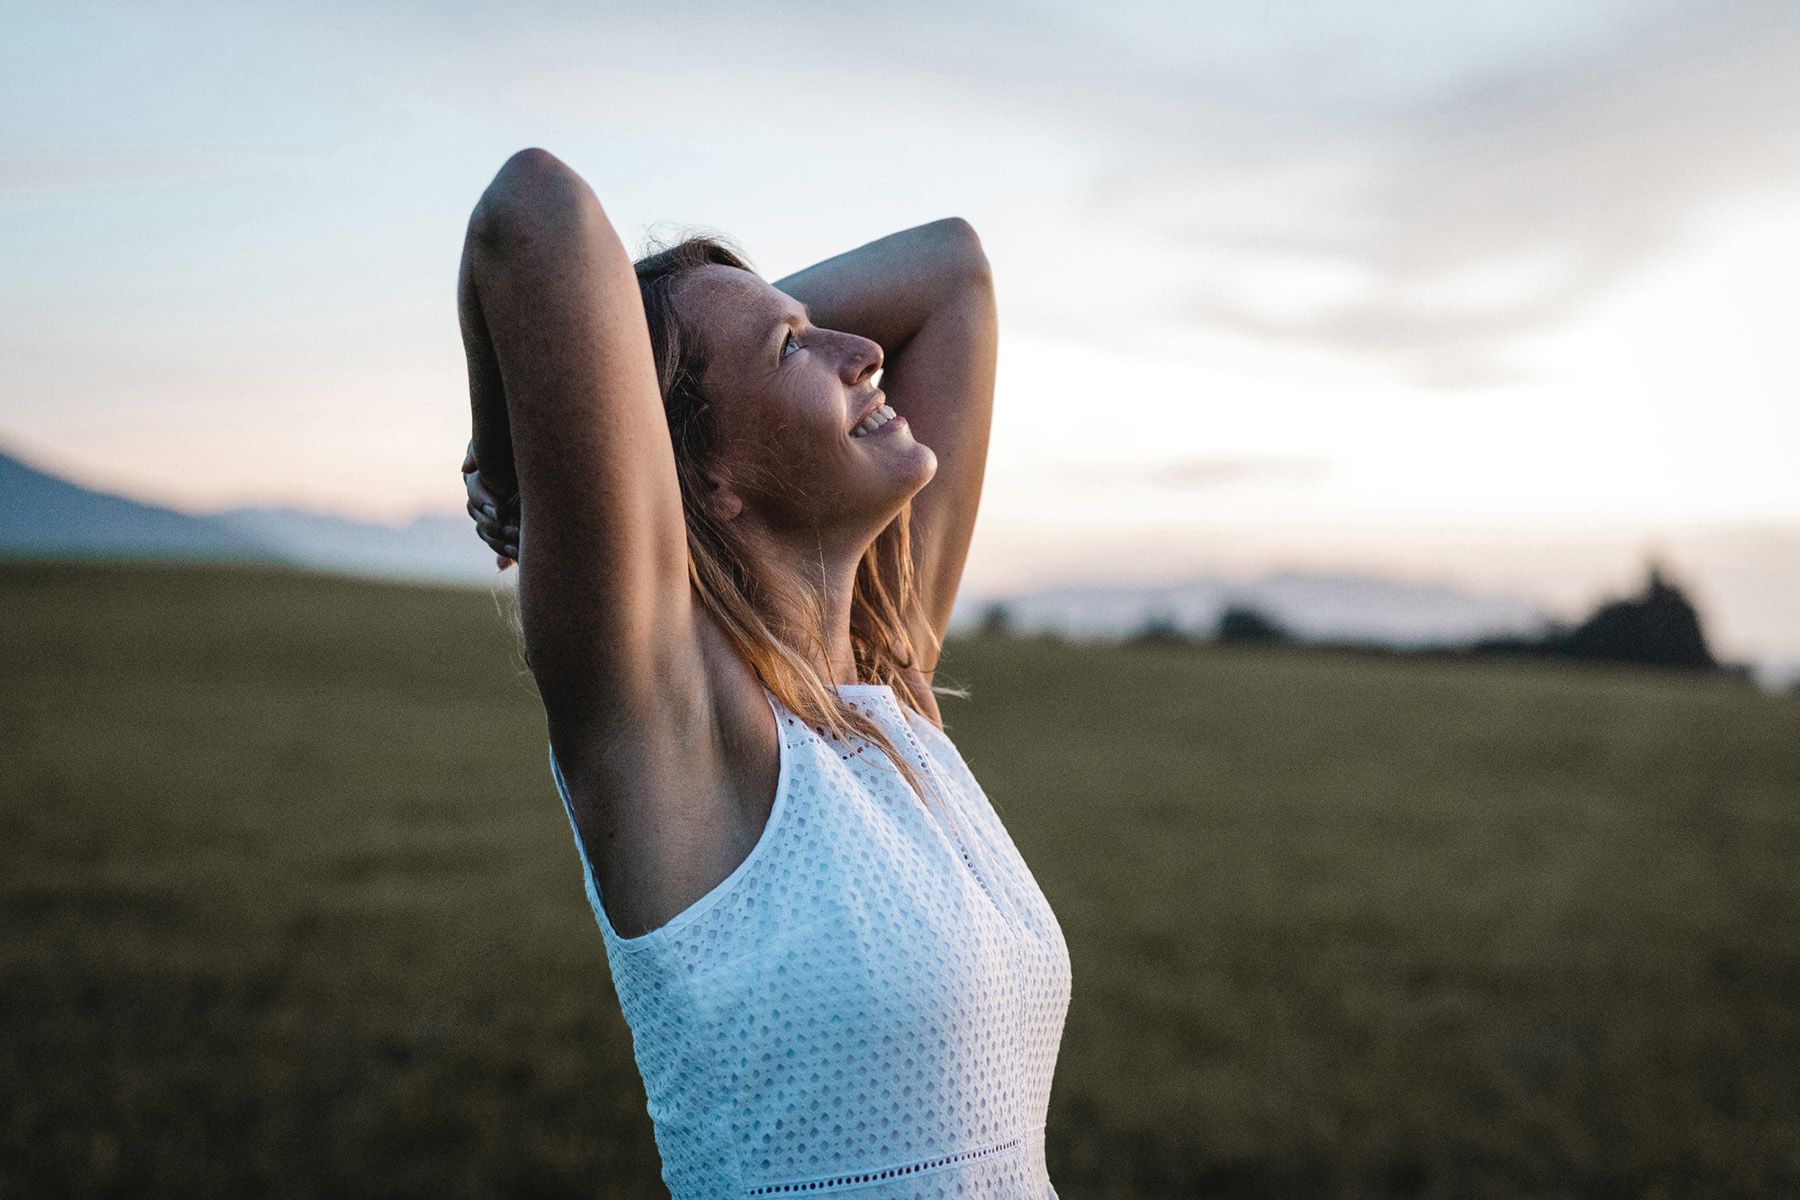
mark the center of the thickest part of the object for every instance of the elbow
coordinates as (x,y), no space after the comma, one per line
(531,168)
(963,251)
(533,191)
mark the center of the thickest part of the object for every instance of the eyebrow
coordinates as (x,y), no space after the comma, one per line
(788,318)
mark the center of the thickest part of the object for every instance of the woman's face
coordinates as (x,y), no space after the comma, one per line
(787,398)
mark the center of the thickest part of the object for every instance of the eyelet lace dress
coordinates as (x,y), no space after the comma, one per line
(871,1003)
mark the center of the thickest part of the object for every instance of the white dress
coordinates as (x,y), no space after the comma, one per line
(871,1003)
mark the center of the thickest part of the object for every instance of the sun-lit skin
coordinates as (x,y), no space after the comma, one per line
(807,495)
(663,732)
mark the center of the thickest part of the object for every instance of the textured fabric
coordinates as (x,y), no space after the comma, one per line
(871,1003)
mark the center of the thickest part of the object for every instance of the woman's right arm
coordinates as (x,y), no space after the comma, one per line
(565,403)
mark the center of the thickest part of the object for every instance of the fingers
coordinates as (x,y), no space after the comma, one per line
(483,497)
(506,548)
(501,535)
(487,521)
(496,520)
(478,488)
(479,496)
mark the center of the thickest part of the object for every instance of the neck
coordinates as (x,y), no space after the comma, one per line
(828,573)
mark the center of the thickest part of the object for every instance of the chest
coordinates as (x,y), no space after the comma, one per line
(931,895)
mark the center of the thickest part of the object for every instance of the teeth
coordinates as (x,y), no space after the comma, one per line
(874,421)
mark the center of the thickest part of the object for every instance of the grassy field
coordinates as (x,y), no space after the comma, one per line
(288,907)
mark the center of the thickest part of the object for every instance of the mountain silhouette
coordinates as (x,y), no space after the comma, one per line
(54,518)
(49,516)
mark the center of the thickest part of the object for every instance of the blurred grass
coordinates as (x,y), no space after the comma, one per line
(288,907)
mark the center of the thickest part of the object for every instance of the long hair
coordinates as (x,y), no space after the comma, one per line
(885,604)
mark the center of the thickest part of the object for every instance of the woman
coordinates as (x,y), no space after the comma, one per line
(737,559)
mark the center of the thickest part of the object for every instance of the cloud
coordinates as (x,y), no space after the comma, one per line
(1586,173)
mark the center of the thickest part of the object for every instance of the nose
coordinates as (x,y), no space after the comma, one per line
(862,359)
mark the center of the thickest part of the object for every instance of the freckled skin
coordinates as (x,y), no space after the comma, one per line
(663,733)
(787,408)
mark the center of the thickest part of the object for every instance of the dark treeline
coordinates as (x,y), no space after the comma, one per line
(1657,627)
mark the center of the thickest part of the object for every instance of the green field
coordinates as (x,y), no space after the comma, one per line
(290,908)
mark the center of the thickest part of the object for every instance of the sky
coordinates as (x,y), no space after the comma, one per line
(1499,295)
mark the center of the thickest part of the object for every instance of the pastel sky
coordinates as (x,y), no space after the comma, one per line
(1499,294)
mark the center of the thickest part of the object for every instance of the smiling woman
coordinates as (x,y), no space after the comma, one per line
(738,557)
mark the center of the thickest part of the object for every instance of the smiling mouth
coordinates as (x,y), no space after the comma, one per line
(877,399)
(876,420)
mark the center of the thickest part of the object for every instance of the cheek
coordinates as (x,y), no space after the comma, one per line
(792,447)
(804,422)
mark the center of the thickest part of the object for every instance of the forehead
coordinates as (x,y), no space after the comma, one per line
(731,305)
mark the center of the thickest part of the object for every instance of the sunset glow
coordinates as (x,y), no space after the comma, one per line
(1503,296)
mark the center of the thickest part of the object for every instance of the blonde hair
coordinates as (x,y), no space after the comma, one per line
(720,570)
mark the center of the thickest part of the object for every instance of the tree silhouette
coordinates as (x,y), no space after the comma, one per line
(1242,623)
(996,621)
(1660,627)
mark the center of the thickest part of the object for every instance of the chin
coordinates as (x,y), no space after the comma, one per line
(927,465)
(899,479)
(922,469)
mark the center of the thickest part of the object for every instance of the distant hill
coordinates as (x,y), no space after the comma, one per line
(435,547)
(56,517)
(49,516)
(45,515)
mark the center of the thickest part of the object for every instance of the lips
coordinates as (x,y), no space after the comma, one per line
(876,401)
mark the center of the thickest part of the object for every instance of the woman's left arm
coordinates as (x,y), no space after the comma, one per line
(927,296)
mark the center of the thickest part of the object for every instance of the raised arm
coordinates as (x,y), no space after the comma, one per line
(927,296)
(564,391)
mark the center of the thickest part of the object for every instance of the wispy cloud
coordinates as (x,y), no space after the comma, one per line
(1472,218)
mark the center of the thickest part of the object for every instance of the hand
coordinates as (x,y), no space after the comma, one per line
(496,518)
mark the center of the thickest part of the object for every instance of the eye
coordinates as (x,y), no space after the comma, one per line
(789,343)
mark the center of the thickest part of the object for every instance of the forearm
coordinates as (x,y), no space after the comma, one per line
(888,289)
(491,427)
(927,295)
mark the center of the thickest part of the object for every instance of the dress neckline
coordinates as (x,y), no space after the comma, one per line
(864,690)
